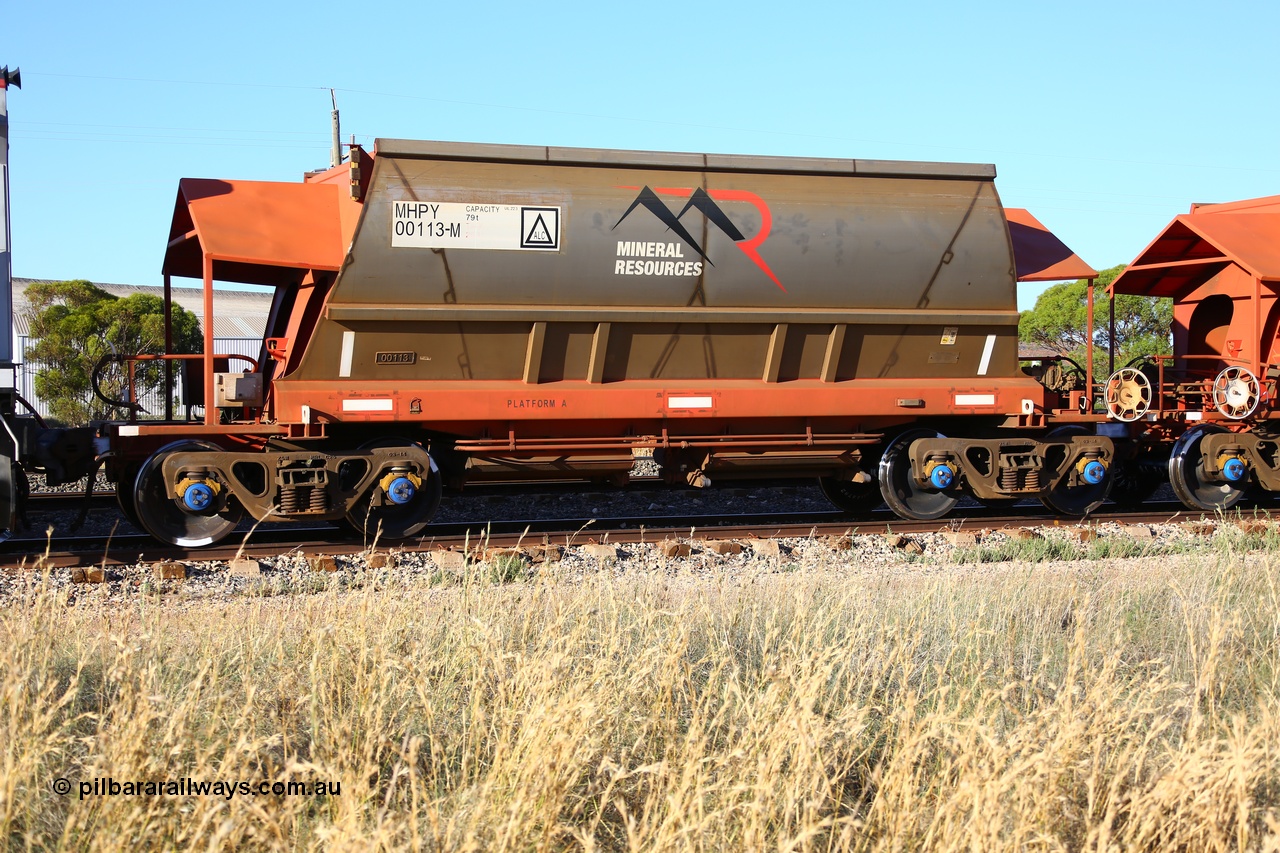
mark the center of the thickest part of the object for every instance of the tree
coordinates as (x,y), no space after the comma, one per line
(1060,316)
(74,324)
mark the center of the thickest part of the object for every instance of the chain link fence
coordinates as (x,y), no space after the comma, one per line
(153,401)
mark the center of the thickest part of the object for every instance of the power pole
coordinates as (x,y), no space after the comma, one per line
(335,153)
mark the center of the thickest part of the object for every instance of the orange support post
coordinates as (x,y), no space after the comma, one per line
(1088,351)
(168,347)
(210,411)
(1257,328)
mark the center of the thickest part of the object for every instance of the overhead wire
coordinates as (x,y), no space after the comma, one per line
(985,152)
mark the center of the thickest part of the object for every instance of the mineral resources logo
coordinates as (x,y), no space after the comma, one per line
(669,257)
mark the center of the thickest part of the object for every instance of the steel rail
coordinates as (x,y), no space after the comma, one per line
(266,542)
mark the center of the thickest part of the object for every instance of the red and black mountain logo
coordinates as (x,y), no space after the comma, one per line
(704,202)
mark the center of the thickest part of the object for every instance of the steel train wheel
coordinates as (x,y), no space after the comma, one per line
(163,519)
(848,496)
(1081,499)
(1186,474)
(397,521)
(899,488)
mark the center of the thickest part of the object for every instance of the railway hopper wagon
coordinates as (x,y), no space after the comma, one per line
(447,313)
(1210,405)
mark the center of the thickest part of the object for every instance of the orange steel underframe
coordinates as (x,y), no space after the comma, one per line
(488,402)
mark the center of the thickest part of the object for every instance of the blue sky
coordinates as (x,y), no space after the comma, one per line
(1104,119)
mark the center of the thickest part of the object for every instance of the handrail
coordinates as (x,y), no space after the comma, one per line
(192,357)
(131,405)
(1173,385)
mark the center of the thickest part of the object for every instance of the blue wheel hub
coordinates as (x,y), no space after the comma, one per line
(197,497)
(1094,472)
(401,490)
(941,477)
(1235,470)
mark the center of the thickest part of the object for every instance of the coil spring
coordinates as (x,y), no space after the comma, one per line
(319,501)
(1033,479)
(1009,479)
(290,500)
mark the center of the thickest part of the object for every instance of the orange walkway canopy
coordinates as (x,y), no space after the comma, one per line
(1196,246)
(256,232)
(1038,253)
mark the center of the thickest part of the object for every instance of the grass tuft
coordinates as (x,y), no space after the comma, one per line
(1104,706)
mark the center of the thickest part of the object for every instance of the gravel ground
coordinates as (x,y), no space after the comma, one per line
(921,555)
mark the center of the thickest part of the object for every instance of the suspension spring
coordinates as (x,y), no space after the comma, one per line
(290,500)
(319,501)
(1009,479)
(1033,480)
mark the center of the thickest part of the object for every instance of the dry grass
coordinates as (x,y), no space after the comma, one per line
(1098,706)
